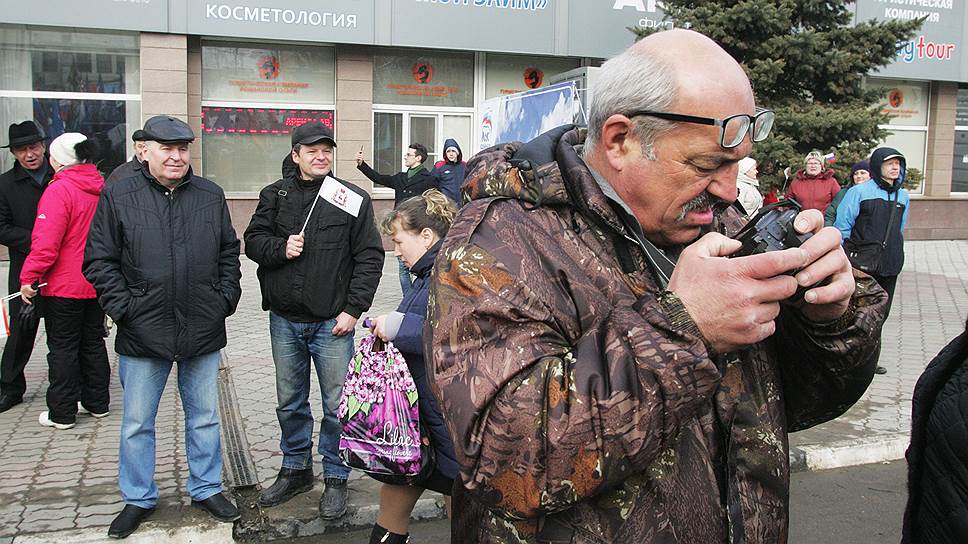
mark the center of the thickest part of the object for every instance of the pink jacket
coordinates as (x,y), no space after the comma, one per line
(60,233)
(814,192)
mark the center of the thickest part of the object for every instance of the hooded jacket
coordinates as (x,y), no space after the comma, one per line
(585,410)
(814,192)
(865,212)
(64,217)
(450,175)
(830,216)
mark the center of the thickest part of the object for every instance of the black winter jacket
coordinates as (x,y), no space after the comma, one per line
(937,508)
(19,196)
(403,187)
(342,259)
(165,264)
(124,170)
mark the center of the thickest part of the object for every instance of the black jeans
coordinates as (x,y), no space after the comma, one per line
(78,361)
(887,283)
(19,344)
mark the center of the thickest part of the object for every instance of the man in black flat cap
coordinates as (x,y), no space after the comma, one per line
(126,169)
(20,190)
(320,259)
(164,259)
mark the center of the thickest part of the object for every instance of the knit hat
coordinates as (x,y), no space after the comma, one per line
(814,155)
(62,148)
(862,165)
(746,164)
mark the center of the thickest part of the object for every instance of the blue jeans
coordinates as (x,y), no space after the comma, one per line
(406,283)
(143,380)
(293,344)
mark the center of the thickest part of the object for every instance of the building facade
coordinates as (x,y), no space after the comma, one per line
(385,73)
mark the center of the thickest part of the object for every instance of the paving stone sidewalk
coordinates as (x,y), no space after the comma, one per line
(61,480)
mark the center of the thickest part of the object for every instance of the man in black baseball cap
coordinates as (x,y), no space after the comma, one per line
(319,271)
(20,190)
(169,287)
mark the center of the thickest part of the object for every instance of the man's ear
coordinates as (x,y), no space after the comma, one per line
(617,141)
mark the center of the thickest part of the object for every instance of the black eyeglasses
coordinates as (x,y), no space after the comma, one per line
(732,129)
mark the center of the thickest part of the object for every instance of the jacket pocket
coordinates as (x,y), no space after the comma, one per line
(328,231)
(137,290)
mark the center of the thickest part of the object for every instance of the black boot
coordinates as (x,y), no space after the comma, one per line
(128,520)
(219,507)
(332,505)
(379,535)
(289,483)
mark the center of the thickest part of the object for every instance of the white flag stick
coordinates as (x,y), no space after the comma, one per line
(12,296)
(313,207)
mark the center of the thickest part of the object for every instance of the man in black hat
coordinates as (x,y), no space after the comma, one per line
(126,169)
(20,190)
(320,259)
(164,259)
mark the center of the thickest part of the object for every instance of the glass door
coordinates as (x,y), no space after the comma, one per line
(423,130)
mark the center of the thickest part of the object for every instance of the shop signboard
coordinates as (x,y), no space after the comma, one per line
(337,21)
(601,29)
(143,15)
(935,51)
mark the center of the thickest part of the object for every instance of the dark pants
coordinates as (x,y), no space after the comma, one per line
(78,361)
(887,283)
(19,344)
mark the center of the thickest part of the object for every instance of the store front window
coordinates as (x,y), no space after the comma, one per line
(959,170)
(420,97)
(907,104)
(252,98)
(508,74)
(72,81)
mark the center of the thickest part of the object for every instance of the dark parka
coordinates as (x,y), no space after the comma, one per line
(165,264)
(937,508)
(450,175)
(583,403)
(404,187)
(342,259)
(19,195)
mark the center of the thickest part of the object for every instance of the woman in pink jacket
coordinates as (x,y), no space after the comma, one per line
(77,360)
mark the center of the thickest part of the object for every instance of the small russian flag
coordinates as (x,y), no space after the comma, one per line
(830,158)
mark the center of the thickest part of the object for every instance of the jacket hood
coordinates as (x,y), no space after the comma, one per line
(518,171)
(289,168)
(450,142)
(877,159)
(83,176)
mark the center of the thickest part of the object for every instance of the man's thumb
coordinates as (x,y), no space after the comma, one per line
(715,245)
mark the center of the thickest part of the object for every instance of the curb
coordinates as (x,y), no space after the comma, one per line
(218,533)
(847,453)
(361,518)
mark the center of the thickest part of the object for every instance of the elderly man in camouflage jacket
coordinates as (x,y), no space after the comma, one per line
(606,373)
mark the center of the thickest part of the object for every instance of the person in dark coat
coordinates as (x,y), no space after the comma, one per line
(20,191)
(128,168)
(859,173)
(320,260)
(416,228)
(937,507)
(407,184)
(450,172)
(164,259)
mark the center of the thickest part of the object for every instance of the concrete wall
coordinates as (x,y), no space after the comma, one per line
(164,75)
(941,139)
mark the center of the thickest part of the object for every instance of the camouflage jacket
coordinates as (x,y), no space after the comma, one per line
(580,411)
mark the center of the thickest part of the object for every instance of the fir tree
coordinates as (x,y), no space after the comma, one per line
(806,62)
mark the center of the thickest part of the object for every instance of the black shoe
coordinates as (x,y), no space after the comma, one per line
(332,505)
(880,370)
(8,401)
(221,508)
(128,521)
(379,535)
(289,483)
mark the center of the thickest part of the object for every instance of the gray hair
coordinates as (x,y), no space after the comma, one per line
(628,82)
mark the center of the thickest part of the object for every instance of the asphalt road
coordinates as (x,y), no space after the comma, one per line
(854,505)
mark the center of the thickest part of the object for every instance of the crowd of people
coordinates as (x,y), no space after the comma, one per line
(579,374)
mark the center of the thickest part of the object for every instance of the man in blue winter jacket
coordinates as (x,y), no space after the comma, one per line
(865,214)
(451,171)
